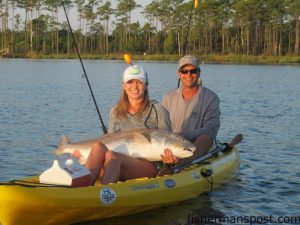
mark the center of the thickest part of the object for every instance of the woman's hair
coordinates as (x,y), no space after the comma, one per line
(123,104)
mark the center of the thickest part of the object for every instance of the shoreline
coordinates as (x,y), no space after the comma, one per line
(204,59)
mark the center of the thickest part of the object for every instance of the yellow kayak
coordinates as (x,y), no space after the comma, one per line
(27,202)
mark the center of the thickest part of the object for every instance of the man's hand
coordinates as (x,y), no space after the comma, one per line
(168,157)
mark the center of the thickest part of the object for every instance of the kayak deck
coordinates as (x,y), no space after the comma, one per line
(36,204)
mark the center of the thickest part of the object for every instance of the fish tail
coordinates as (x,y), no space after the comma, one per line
(64,140)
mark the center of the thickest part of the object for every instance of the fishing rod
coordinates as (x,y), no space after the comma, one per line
(221,147)
(184,47)
(85,74)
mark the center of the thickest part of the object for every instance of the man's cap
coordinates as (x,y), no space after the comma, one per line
(188,60)
(135,72)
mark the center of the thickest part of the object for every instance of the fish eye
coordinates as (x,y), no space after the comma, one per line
(187,149)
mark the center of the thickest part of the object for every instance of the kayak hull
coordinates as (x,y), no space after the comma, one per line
(35,204)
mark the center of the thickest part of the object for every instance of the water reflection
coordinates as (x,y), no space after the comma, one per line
(192,211)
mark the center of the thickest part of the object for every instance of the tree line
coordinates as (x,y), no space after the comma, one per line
(244,27)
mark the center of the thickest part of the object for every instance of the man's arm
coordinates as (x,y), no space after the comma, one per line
(210,122)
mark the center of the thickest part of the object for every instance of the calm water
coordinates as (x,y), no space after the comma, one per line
(43,99)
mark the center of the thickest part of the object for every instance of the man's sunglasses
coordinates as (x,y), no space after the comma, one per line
(192,71)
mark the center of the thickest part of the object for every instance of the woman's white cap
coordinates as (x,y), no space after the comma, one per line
(135,72)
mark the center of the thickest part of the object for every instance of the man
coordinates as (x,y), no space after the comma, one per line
(194,109)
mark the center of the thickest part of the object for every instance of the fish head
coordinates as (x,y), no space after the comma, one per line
(180,146)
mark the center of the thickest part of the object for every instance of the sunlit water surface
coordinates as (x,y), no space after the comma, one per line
(43,99)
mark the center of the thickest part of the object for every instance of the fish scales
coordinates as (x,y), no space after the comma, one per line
(140,143)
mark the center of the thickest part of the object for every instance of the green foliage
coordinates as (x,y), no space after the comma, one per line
(169,44)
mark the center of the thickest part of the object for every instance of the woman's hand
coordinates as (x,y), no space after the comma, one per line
(76,153)
(168,157)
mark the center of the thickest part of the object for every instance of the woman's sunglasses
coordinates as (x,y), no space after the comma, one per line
(192,71)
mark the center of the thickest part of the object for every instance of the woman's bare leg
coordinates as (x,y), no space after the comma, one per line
(95,160)
(122,167)
(112,168)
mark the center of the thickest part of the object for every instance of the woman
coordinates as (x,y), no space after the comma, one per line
(134,110)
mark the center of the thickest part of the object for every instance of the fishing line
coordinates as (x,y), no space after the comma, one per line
(184,47)
(187,35)
(85,74)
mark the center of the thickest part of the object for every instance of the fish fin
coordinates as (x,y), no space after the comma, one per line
(141,137)
(158,138)
(64,140)
(155,142)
